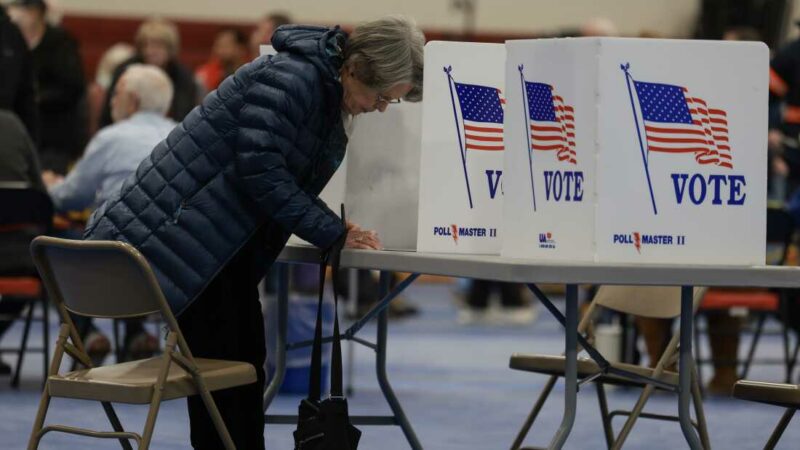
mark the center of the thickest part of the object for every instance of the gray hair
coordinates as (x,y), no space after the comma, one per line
(151,85)
(386,52)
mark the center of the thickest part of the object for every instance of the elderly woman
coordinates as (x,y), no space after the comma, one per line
(215,202)
(158,44)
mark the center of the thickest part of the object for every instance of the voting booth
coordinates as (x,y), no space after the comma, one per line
(636,150)
(382,182)
(461,162)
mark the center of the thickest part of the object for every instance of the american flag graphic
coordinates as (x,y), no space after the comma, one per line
(676,122)
(552,122)
(482,116)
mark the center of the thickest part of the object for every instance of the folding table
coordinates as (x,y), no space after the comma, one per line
(530,272)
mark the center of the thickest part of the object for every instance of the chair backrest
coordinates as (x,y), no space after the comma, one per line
(661,302)
(98,278)
(23,205)
(780,228)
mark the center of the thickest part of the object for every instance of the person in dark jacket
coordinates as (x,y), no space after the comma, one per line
(18,166)
(214,204)
(157,44)
(59,85)
(16,76)
(18,160)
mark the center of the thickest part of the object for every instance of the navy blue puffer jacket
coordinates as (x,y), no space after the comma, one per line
(254,156)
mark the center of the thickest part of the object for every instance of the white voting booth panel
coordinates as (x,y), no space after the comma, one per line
(382,189)
(636,150)
(266,50)
(461,162)
(549,205)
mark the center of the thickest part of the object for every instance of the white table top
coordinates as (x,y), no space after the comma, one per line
(539,271)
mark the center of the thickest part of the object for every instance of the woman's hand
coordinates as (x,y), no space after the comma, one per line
(361,239)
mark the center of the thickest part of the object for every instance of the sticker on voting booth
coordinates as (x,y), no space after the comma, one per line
(461,161)
(549,163)
(676,131)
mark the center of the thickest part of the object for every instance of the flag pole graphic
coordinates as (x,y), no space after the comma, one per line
(527,132)
(450,82)
(625,68)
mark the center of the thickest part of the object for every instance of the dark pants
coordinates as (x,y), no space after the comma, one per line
(479,291)
(10,309)
(225,322)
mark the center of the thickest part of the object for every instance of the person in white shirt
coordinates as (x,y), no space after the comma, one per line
(139,106)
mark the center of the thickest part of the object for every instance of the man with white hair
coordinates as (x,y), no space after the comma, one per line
(139,105)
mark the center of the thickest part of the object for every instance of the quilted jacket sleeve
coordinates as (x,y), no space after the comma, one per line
(275,107)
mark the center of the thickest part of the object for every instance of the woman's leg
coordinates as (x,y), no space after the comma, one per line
(225,322)
(657,334)
(511,295)
(723,336)
(478,296)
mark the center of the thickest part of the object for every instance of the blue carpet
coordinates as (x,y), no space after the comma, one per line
(454,384)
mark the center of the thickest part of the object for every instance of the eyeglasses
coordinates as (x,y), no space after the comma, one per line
(379,99)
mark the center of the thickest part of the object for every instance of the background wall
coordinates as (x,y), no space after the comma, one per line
(672,18)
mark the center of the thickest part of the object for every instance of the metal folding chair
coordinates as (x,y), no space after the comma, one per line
(106,279)
(655,302)
(778,394)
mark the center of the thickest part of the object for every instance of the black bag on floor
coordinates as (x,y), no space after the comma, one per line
(325,424)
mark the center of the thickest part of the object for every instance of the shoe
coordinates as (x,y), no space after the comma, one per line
(401,308)
(517,316)
(472,316)
(97,347)
(5,369)
(143,345)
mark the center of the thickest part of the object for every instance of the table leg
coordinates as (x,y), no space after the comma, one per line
(685,368)
(280,343)
(380,367)
(571,368)
(46,336)
(352,310)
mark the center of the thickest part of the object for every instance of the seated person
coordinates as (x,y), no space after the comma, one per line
(139,106)
(18,160)
(723,338)
(18,164)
